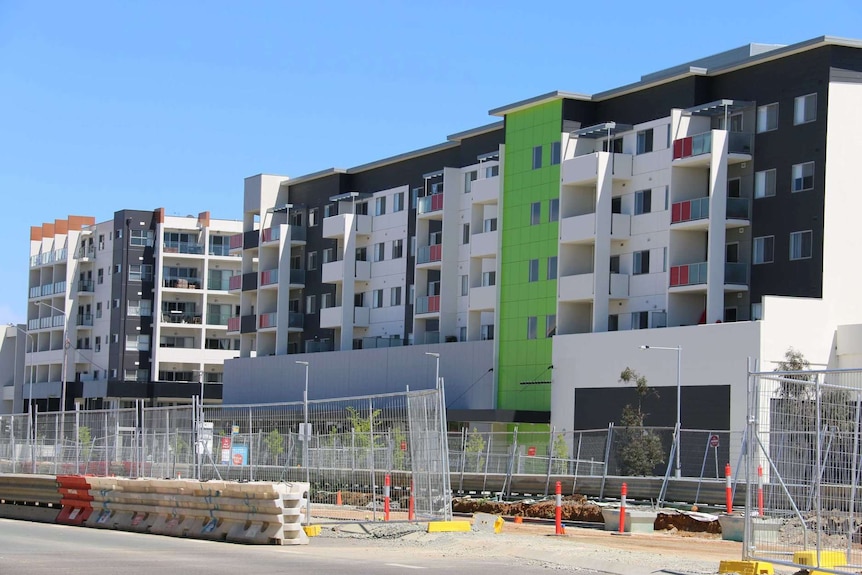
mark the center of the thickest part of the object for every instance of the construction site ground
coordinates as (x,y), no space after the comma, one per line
(669,551)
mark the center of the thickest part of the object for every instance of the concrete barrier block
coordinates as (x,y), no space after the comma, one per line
(487,523)
(38,513)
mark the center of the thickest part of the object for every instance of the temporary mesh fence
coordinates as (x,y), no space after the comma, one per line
(803,500)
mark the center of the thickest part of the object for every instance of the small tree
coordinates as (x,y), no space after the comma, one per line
(640,449)
(561,454)
(474,449)
(274,442)
(85,440)
(362,425)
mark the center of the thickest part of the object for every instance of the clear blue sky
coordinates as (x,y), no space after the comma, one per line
(141,105)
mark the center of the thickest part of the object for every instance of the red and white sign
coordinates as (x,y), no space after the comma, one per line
(714,441)
(531,451)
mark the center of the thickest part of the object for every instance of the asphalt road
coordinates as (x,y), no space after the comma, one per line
(34,549)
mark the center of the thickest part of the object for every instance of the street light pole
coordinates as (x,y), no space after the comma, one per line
(305,435)
(678,428)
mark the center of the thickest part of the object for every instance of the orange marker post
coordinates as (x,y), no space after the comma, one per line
(623,492)
(728,490)
(386,498)
(558,512)
(411,505)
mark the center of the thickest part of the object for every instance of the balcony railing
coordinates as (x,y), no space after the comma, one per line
(217,318)
(297,277)
(428,204)
(182,248)
(295,320)
(737,143)
(234,283)
(736,273)
(176,316)
(236,242)
(221,249)
(86,286)
(688,274)
(428,254)
(428,304)
(268,320)
(85,252)
(269,277)
(233,323)
(182,283)
(271,234)
(35,291)
(85,319)
(690,210)
(738,208)
(219,284)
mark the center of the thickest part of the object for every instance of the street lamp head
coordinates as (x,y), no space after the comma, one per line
(431,353)
(302,362)
(644,347)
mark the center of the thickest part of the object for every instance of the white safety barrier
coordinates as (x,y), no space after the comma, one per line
(258,513)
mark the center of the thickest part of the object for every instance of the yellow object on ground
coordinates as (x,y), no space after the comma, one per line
(746,567)
(448,526)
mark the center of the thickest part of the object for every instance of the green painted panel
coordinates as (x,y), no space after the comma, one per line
(522,362)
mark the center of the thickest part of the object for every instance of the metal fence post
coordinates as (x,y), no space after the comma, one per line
(371,462)
(607,459)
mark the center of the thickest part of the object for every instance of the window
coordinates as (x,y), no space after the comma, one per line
(100,276)
(140,272)
(98,346)
(310,304)
(535,213)
(312,217)
(615,264)
(295,218)
(804,109)
(552,268)
(462,333)
(379,252)
(139,342)
(362,254)
(101,241)
(411,294)
(116,338)
(98,309)
(436,188)
(328,255)
(729,314)
(380,206)
(736,124)
(532,322)
(764,249)
(312,261)
(731,253)
(398,202)
(643,202)
(118,268)
(555,153)
(140,238)
(550,325)
(756,311)
(645,138)
(489,279)
(767,118)
(329,210)
(469,178)
(734,187)
(119,233)
(492,171)
(616,146)
(140,308)
(554,210)
(613,322)
(537,157)
(325,300)
(640,265)
(136,375)
(397,249)
(617,205)
(116,304)
(412,245)
(800,245)
(395,296)
(489,225)
(486,332)
(803,177)
(465,234)
(764,184)
(465,284)
(377,298)
(414,197)
(534,271)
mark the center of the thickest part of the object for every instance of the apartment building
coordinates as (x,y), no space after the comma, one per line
(131,308)
(709,205)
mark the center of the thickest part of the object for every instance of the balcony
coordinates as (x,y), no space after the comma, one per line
(695,275)
(182,283)
(486,190)
(483,298)
(235,242)
(185,248)
(336,226)
(432,204)
(181,317)
(269,235)
(619,286)
(428,304)
(584,169)
(688,275)
(221,284)
(85,320)
(695,150)
(217,318)
(429,254)
(295,321)
(268,320)
(735,274)
(35,292)
(234,283)
(269,277)
(297,278)
(86,286)
(233,323)
(694,214)
(578,229)
(483,245)
(334,272)
(621,226)
(85,253)
(577,287)
(250,239)
(249,281)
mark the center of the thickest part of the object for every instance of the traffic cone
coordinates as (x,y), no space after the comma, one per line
(338,498)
